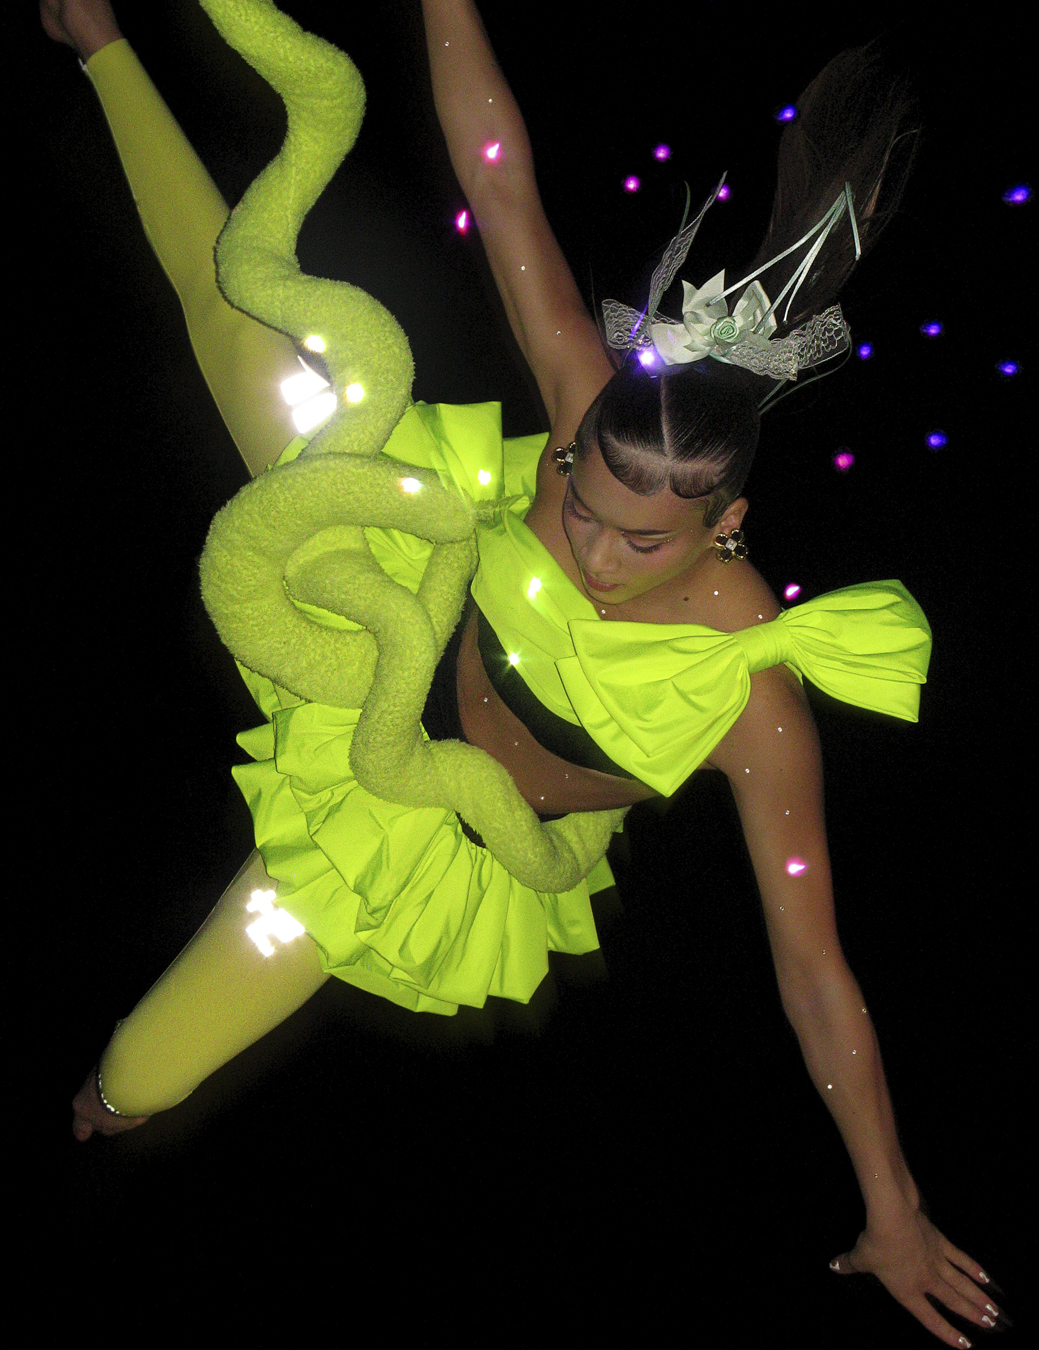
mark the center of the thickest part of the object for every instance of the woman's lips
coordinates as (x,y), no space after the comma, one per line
(600,585)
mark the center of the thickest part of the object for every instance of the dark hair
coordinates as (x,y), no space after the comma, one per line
(695,428)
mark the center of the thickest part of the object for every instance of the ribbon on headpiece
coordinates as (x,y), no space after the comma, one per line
(743,338)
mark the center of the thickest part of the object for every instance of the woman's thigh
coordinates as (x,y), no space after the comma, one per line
(220,995)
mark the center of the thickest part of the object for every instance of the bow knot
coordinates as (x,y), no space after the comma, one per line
(768,644)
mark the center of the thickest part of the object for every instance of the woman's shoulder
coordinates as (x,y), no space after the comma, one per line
(726,597)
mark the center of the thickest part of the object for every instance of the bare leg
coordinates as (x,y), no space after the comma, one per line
(219,996)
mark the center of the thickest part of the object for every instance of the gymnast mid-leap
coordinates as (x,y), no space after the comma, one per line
(473,656)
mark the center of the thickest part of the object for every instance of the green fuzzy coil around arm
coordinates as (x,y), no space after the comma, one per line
(298,531)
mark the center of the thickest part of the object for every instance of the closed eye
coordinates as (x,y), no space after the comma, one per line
(590,520)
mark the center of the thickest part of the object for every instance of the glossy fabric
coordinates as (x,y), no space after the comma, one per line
(399,900)
(657,698)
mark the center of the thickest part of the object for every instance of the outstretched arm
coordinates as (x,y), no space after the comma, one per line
(548,316)
(772,759)
(183,213)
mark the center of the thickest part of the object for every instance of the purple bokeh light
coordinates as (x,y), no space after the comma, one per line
(786,114)
(632,184)
(462,222)
(723,192)
(843,460)
(792,591)
(1008,367)
(648,358)
(1017,196)
(932,329)
(662,152)
(937,439)
(865,351)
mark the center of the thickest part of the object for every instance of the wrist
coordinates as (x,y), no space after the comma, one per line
(889,1206)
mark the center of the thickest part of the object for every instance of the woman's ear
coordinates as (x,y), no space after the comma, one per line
(733,518)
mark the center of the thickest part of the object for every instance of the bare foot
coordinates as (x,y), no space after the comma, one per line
(90,1115)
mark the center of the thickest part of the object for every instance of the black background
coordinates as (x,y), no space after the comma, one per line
(642,1147)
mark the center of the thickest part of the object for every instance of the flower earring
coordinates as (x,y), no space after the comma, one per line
(564,458)
(731,546)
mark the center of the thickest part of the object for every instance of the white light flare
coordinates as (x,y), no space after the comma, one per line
(313,343)
(302,386)
(410,484)
(532,590)
(796,867)
(271,923)
(354,392)
(483,477)
(513,658)
(315,411)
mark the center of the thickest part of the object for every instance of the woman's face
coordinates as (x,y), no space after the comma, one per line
(626,544)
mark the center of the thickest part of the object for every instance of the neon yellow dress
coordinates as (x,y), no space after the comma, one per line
(398,898)
(400,901)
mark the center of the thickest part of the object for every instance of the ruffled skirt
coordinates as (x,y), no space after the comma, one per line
(400,901)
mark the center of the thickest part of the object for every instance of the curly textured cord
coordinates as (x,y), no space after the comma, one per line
(298,530)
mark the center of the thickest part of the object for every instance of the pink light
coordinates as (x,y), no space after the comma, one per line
(662,152)
(491,152)
(795,866)
(843,460)
(462,222)
(723,193)
(631,184)
(792,591)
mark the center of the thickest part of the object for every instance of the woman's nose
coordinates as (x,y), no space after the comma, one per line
(600,555)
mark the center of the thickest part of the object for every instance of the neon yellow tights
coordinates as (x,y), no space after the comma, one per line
(219,996)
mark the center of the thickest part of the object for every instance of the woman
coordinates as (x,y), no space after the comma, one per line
(634,532)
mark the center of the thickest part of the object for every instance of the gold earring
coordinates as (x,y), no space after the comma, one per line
(564,458)
(731,546)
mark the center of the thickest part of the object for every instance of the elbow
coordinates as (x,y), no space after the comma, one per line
(808,990)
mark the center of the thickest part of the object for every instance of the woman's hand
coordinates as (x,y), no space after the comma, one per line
(912,1259)
(87,25)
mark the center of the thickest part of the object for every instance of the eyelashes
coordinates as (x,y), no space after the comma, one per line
(587,520)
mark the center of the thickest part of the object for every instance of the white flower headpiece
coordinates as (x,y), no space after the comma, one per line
(743,338)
